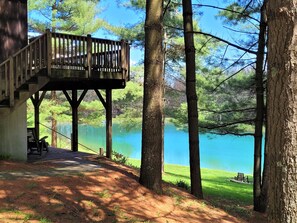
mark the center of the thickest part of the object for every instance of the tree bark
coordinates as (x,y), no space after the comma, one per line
(13,27)
(259,205)
(282,111)
(196,187)
(150,171)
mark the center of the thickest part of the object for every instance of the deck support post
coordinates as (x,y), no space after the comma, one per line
(74,102)
(36,101)
(74,121)
(109,123)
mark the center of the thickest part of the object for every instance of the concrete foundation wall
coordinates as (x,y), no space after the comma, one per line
(13,134)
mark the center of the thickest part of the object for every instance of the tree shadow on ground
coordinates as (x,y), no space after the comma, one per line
(109,194)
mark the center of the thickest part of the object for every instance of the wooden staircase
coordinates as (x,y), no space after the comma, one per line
(60,61)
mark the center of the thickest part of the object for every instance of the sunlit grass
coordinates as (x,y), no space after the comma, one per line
(215,183)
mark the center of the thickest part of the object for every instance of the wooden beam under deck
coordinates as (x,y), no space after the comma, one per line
(64,79)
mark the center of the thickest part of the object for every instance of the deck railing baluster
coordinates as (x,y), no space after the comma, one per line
(81,62)
(55,49)
(11,82)
(16,71)
(97,55)
(89,54)
(68,50)
(48,52)
(59,50)
(6,79)
(71,50)
(83,52)
(40,53)
(26,64)
(21,68)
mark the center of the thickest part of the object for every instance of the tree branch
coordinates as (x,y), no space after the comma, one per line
(228,111)
(231,133)
(219,39)
(222,59)
(166,7)
(228,10)
(227,42)
(227,124)
(232,76)
(234,30)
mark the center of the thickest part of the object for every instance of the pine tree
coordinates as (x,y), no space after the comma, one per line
(282,111)
(151,162)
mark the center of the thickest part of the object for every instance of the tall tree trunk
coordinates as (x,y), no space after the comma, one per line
(196,187)
(150,171)
(54,121)
(282,111)
(258,205)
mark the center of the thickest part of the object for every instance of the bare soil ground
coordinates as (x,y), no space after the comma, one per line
(32,193)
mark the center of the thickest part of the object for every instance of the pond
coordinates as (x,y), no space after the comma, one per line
(230,153)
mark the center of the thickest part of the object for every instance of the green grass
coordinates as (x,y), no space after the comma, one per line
(215,183)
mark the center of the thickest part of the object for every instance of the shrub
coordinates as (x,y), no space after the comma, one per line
(183,184)
(118,157)
(4,157)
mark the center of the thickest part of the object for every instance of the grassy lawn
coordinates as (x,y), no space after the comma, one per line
(216,183)
(217,188)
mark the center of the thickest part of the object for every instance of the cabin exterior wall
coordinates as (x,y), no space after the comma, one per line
(13,27)
(13,37)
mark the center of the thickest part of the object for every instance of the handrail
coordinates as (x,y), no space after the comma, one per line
(21,66)
(35,40)
(63,51)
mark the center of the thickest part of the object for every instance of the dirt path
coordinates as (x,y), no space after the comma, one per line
(86,189)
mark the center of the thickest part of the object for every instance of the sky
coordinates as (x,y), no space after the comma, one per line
(116,14)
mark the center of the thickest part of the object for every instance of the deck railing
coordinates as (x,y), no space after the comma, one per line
(63,51)
(84,52)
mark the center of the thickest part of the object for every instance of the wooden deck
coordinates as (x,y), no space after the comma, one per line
(67,62)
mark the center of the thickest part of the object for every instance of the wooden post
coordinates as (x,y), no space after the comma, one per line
(74,102)
(74,121)
(49,51)
(89,54)
(36,101)
(11,83)
(36,114)
(123,58)
(109,123)
(101,151)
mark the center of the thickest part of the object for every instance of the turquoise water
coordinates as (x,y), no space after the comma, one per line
(230,153)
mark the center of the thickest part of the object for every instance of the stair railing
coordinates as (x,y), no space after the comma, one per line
(20,67)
